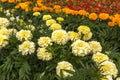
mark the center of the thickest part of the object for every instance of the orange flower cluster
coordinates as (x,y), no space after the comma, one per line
(10,1)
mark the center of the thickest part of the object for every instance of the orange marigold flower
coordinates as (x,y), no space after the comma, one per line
(36,9)
(111,24)
(57,7)
(50,9)
(83,13)
(17,6)
(93,16)
(11,1)
(3,1)
(103,16)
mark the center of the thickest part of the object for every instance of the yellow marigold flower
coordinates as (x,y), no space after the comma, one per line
(43,54)
(96,47)
(55,26)
(46,17)
(82,13)
(36,13)
(60,19)
(103,16)
(4,22)
(12,31)
(111,24)
(73,35)
(24,35)
(99,57)
(4,31)
(50,22)
(87,36)
(83,29)
(44,41)
(27,47)
(3,41)
(62,66)
(80,48)
(59,37)
(21,22)
(93,16)
(108,68)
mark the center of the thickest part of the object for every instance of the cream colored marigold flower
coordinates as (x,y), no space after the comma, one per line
(62,66)
(83,29)
(118,78)
(24,35)
(3,41)
(87,36)
(60,37)
(36,13)
(4,22)
(44,41)
(12,31)
(30,27)
(99,57)
(73,35)
(55,26)
(27,47)
(96,47)
(80,48)
(50,22)
(108,68)
(5,31)
(46,17)
(43,54)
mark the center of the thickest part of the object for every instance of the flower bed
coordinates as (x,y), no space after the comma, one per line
(45,43)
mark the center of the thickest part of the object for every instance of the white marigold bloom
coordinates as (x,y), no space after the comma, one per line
(36,13)
(3,41)
(80,48)
(5,31)
(27,47)
(46,17)
(83,29)
(96,47)
(50,22)
(62,66)
(43,54)
(4,22)
(118,78)
(44,41)
(87,36)
(60,37)
(99,57)
(12,31)
(108,68)
(73,35)
(30,27)
(55,26)
(24,35)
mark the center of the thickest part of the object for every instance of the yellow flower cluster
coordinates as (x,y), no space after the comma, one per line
(62,66)
(43,54)
(4,22)
(24,35)
(44,41)
(80,48)
(85,32)
(27,47)
(96,47)
(59,37)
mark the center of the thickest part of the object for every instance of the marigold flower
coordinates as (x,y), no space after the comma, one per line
(99,57)
(4,22)
(103,16)
(27,47)
(44,41)
(96,47)
(12,31)
(80,48)
(3,41)
(5,31)
(43,54)
(62,66)
(30,27)
(3,1)
(50,22)
(73,35)
(118,78)
(60,37)
(83,29)
(82,13)
(36,13)
(87,36)
(108,68)
(46,17)
(111,24)
(93,16)
(11,1)
(60,19)
(55,26)
(24,35)
(35,9)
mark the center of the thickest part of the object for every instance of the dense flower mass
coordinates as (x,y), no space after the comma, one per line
(43,54)
(44,41)
(60,37)
(80,48)
(24,35)
(62,66)
(27,47)
(4,22)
